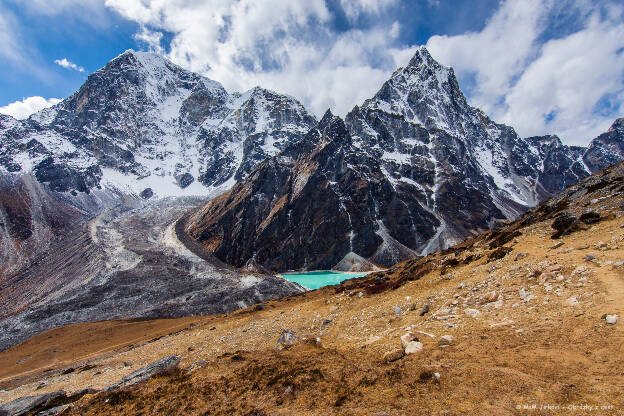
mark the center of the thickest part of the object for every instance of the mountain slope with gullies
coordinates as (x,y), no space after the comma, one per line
(432,171)
(523,317)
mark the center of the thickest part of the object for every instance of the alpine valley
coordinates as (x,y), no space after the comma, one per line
(152,192)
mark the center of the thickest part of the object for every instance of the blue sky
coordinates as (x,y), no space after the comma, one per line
(542,66)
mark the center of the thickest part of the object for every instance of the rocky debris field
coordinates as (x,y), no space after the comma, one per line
(127,264)
(505,323)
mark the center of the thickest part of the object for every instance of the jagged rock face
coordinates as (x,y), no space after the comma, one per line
(30,219)
(416,170)
(606,149)
(141,122)
(562,165)
(311,206)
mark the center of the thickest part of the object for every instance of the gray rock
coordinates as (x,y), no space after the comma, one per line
(26,404)
(612,319)
(473,313)
(54,411)
(446,340)
(413,347)
(142,374)
(196,364)
(287,339)
(424,310)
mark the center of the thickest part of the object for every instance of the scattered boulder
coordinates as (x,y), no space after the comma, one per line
(590,257)
(611,319)
(393,355)
(287,339)
(146,193)
(571,301)
(424,310)
(185,180)
(556,245)
(525,295)
(413,347)
(590,217)
(491,297)
(164,364)
(473,313)
(27,404)
(407,338)
(520,256)
(446,340)
(196,364)
(564,224)
(397,310)
(54,411)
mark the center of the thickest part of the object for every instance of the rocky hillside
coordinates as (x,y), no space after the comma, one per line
(513,320)
(126,263)
(316,203)
(413,170)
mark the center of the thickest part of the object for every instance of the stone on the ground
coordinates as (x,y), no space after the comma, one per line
(26,404)
(413,347)
(473,313)
(196,364)
(445,340)
(287,339)
(168,363)
(556,245)
(491,297)
(424,310)
(611,319)
(397,310)
(571,301)
(393,355)
(54,411)
(407,338)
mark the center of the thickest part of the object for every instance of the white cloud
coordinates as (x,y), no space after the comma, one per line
(518,69)
(151,38)
(65,63)
(354,8)
(543,87)
(9,44)
(22,109)
(284,45)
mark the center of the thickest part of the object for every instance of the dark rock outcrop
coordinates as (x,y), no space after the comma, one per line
(164,364)
(24,405)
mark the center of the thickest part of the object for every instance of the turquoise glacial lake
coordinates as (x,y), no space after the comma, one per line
(314,280)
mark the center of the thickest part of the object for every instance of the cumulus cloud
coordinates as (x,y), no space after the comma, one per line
(571,84)
(524,67)
(65,63)
(24,108)
(288,46)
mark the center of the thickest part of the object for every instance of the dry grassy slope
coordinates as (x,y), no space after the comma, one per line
(531,346)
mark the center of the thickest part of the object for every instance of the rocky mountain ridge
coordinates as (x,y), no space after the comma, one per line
(142,122)
(431,171)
